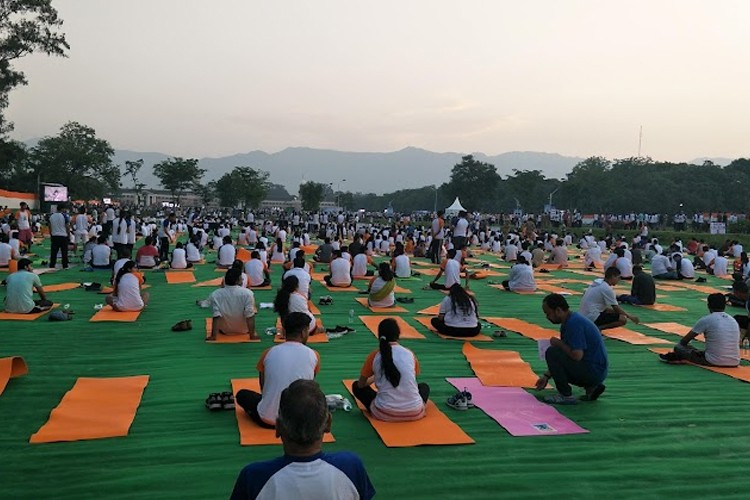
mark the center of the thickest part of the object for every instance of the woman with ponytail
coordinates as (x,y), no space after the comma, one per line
(127,295)
(458,315)
(393,369)
(289,300)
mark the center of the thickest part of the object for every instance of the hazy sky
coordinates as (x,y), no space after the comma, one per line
(213,78)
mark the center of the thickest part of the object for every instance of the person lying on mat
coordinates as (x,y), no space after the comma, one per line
(340,271)
(278,367)
(521,277)
(290,299)
(304,471)
(233,307)
(599,303)
(393,369)
(458,315)
(722,334)
(380,290)
(452,268)
(578,357)
(19,291)
(127,295)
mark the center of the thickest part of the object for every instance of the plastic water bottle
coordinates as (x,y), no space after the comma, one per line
(746,343)
(351,316)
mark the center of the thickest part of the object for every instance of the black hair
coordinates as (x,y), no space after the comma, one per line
(295,324)
(388,331)
(461,300)
(556,301)
(611,273)
(303,413)
(281,303)
(385,272)
(717,302)
(233,276)
(125,269)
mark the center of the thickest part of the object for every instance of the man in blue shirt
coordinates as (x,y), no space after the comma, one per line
(578,357)
(304,472)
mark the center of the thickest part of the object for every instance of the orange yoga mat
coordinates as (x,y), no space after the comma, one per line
(586,273)
(664,308)
(697,288)
(174,277)
(108,289)
(25,317)
(550,288)
(61,287)
(11,368)
(318,338)
(394,309)
(313,308)
(318,276)
(221,338)
(739,372)
(432,310)
(213,282)
(106,313)
(251,433)
(499,368)
(673,328)
(94,408)
(632,337)
(429,271)
(476,338)
(519,292)
(551,267)
(667,288)
(424,264)
(434,429)
(338,288)
(400,289)
(407,331)
(530,330)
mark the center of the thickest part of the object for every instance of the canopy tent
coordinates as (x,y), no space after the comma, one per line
(453,210)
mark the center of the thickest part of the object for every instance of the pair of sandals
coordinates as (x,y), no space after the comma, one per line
(220,401)
(183,326)
(405,300)
(340,329)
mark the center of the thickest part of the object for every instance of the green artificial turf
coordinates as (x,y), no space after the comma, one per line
(658,431)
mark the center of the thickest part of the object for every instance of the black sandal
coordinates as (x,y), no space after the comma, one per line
(227,401)
(214,401)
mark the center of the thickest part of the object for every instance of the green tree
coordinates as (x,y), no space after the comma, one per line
(78,159)
(312,194)
(474,182)
(178,174)
(243,185)
(207,192)
(530,188)
(131,170)
(14,174)
(26,27)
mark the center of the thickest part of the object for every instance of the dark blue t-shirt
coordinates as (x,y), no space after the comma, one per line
(581,334)
(340,475)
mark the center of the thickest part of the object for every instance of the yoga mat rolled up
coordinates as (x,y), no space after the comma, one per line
(520,413)
(11,367)
(94,408)
(434,429)
(499,368)
(252,434)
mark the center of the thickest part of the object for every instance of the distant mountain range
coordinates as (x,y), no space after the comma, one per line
(363,172)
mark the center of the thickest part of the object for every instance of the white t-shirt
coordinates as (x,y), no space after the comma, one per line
(5,251)
(254,268)
(233,304)
(452,272)
(100,255)
(227,254)
(722,335)
(395,403)
(179,259)
(659,265)
(281,365)
(359,266)
(521,278)
(403,266)
(720,266)
(23,219)
(458,319)
(298,303)
(57,224)
(625,267)
(118,265)
(192,253)
(340,269)
(598,298)
(462,225)
(687,269)
(377,285)
(129,294)
(303,278)
(593,256)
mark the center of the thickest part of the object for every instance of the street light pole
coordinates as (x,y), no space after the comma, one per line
(436,192)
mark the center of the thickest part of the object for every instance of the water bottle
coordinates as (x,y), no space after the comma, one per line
(746,343)
(351,316)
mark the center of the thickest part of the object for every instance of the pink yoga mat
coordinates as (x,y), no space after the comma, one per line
(520,413)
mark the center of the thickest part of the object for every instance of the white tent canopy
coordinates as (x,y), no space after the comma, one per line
(453,210)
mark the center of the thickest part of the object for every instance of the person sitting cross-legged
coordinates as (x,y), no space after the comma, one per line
(458,315)
(304,471)
(599,303)
(722,334)
(233,307)
(20,287)
(578,357)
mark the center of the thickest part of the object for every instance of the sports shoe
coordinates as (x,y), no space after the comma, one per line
(559,399)
(671,358)
(213,402)
(460,401)
(700,280)
(593,393)
(227,401)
